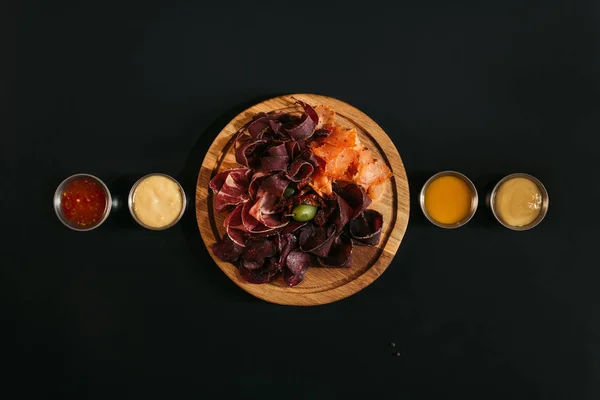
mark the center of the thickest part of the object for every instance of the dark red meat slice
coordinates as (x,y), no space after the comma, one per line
(275,185)
(235,227)
(306,127)
(233,192)
(269,164)
(258,249)
(316,160)
(366,228)
(264,274)
(296,264)
(300,170)
(285,244)
(316,240)
(275,220)
(216,183)
(355,196)
(277,127)
(259,125)
(231,187)
(310,111)
(227,250)
(251,224)
(279,150)
(293,149)
(340,254)
(267,204)
(257,179)
(263,211)
(251,265)
(268,195)
(342,214)
(249,150)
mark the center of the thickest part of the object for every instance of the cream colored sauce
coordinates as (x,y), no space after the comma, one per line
(518,202)
(157,201)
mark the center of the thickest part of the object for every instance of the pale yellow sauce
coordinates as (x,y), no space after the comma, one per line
(157,201)
(518,202)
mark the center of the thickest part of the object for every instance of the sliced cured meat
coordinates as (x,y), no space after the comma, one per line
(300,170)
(259,125)
(285,243)
(338,167)
(306,127)
(370,170)
(340,254)
(321,183)
(279,150)
(355,196)
(248,151)
(269,164)
(251,224)
(293,149)
(341,137)
(296,264)
(376,191)
(316,240)
(234,226)
(264,274)
(257,179)
(326,117)
(231,187)
(366,228)
(342,214)
(326,151)
(218,181)
(258,249)
(227,250)
(275,185)
(275,220)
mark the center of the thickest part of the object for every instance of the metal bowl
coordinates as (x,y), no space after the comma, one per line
(132,211)
(58,199)
(543,210)
(474,199)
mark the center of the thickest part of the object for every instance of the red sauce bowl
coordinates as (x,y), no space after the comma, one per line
(82,202)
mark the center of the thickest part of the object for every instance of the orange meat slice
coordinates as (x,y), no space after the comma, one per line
(346,159)
(341,137)
(326,116)
(371,171)
(337,167)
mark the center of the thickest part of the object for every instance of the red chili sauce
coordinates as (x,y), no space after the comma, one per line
(83,202)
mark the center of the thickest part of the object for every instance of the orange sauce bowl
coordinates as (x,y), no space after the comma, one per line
(449,199)
(85,207)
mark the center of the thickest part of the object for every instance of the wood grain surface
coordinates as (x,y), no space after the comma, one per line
(321,285)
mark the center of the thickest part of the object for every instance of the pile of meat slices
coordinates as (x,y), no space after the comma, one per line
(262,239)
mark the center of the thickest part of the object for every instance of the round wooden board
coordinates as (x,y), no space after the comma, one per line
(321,285)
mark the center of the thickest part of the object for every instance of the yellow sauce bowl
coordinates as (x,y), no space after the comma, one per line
(130,202)
(543,209)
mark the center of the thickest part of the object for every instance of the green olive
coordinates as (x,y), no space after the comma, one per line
(289,191)
(304,212)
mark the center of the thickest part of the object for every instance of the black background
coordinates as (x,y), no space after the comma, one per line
(123,90)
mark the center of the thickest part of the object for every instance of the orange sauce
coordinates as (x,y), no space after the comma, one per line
(448,199)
